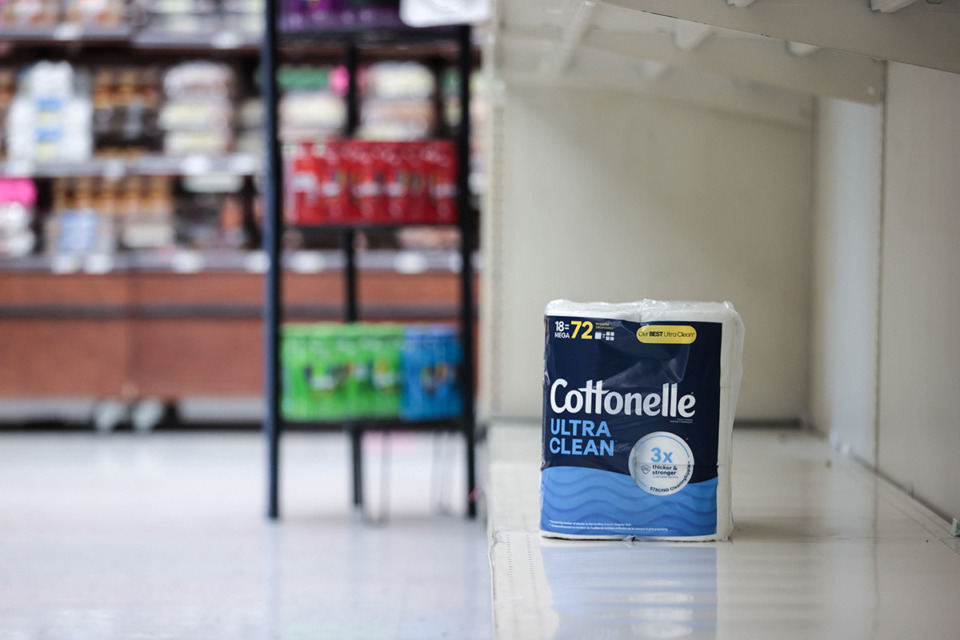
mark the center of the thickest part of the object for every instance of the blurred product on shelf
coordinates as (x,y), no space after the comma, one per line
(147,213)
(334,372)
(74,226)
(30,13)
(126,103)
(8,89)
(335,15)
(50,118)
(312,106)
(95,13)
(233,21)
(18,197)
(398,81)
(397,102)
(210,212)
(197,116)
(103,215)
(431,356)
(250,127)
(372,183)
(92,135)
(179,18)
(478,119)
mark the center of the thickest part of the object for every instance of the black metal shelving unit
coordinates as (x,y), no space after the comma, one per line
(350,41)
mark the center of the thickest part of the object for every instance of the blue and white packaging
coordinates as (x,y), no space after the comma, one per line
(638,406)
(431,387)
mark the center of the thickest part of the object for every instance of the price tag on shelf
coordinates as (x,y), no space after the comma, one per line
(256,262)
(307,262)
(226,40)
(98,263)
(196,165)
(68,31)
(63,263)
(187,262)
(410,262)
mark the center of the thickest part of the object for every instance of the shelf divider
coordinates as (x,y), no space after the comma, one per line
(272,233)
(465,68)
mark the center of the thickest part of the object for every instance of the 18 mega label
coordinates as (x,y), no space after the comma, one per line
(583,330)
(661,463)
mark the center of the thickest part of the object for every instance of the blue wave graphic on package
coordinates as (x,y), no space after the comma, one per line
(593,502)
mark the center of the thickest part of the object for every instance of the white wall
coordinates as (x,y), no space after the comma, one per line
(610,196)
(846,260)
(919,405)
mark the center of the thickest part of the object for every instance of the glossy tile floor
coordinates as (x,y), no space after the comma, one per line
(822,549)
(162,536)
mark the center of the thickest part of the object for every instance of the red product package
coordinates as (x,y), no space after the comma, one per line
(396,183)
(368,183)
(442,162)
(420,207)
(335,185)
(304,199)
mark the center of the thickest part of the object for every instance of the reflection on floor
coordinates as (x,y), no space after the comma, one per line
(163,536)
(822,549)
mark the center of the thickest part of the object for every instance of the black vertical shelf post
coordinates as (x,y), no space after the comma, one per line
(348,245)
(348,235)
(465,217)
(272,232)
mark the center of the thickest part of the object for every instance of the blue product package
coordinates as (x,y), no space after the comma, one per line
(431,359)
(453,394)
(448,362)
(417,363)
(638,407)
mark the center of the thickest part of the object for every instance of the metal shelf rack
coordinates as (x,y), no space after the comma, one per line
(350,41)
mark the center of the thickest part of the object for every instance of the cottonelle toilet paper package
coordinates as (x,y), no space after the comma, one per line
(638,407)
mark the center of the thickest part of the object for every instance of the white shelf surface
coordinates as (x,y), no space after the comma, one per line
(822,548)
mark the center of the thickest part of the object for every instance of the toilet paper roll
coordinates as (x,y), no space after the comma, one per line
(587,491)
(728,407)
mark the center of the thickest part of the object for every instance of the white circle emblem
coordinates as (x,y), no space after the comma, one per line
(661,463)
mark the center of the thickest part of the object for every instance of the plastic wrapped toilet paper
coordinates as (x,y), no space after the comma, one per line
(638,406)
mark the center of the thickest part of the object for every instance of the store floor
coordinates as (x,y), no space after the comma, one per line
(163,536)
(822,548)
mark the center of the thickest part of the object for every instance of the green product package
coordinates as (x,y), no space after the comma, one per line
(349,344)
(388,341)
(293,385)
(326,372)
(362,363)
(335,372)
